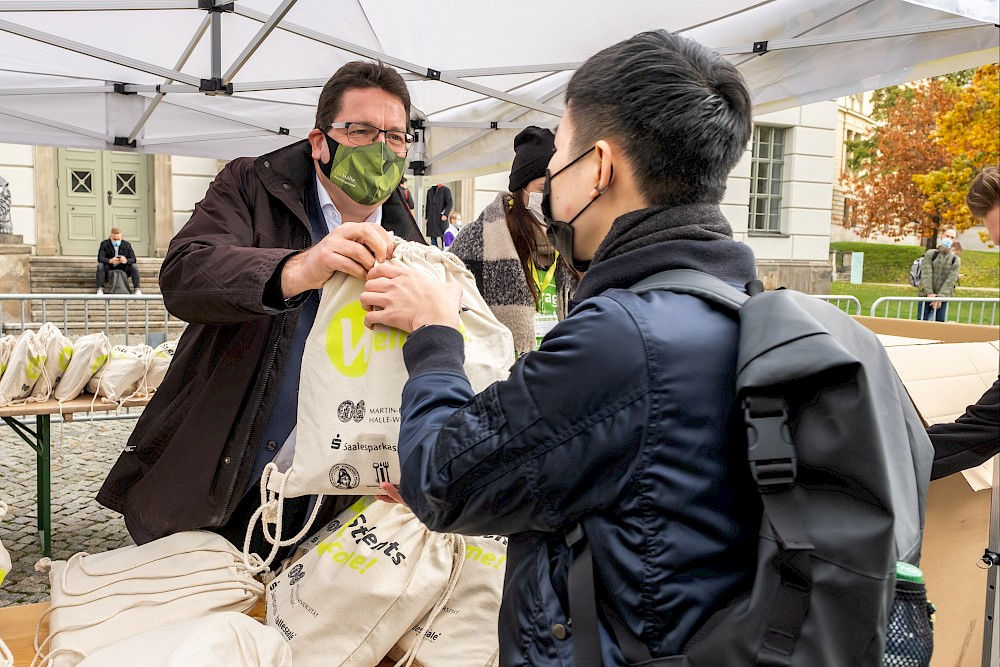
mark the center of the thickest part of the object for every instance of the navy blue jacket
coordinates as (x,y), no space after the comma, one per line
(624,420)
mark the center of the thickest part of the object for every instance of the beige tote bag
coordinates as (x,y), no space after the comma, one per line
(58,350)
(350,598)
(352,382)
(23,368)
(116,381)
(223,639)
(465,633)
(90,353)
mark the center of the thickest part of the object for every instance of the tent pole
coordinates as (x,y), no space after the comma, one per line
(100,5)
(991,626)
(216,18)
(418,203)
(94,52)
(269,25)
(188,50)
(857,36)
(479,135)
(13,113)
(426,72)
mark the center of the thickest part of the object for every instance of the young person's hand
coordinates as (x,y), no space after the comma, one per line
(403,298)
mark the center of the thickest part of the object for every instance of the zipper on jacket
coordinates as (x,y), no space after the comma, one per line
(260,400)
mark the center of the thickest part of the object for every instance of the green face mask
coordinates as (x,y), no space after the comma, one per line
(366,174)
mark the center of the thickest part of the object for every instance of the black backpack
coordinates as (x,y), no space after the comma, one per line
(842,464)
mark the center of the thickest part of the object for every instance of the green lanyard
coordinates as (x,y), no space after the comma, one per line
(549,276)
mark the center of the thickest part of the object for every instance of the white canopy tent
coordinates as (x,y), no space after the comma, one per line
(216,79)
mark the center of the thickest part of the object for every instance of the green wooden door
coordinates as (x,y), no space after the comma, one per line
(99,190)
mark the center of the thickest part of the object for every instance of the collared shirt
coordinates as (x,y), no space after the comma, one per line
(330,212)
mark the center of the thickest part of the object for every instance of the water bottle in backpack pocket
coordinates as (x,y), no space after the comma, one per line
(909,640)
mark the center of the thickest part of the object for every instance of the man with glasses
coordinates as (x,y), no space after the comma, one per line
(245,272)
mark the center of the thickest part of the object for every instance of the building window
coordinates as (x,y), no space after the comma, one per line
(765,179)
(847,213)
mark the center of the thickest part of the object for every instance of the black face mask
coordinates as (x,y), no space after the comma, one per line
(559,233)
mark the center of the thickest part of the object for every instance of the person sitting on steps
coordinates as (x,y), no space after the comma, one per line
(116,254)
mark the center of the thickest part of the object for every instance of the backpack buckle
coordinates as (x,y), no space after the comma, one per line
(769,443)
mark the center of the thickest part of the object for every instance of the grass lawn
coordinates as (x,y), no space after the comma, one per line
(867,293)
(888,263)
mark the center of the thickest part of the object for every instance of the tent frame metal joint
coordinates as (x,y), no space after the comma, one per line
(494,125)
(121,89)
(123,141)
(418,167)
(760,47)
(417,123)
(213,6)
(214,86)
(283,130)
(433,74)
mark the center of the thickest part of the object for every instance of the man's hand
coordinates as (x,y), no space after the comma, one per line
(403,298)
(935,305)
(352,248)
(444,218)
(390,494)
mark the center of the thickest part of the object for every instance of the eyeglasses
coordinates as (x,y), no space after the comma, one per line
(362,134)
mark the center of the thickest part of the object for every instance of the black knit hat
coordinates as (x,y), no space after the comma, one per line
(533,147)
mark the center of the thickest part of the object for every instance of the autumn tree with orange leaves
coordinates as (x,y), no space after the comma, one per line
(970,133)
(887,199)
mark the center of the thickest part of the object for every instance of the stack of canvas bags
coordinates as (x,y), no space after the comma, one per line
(101,599)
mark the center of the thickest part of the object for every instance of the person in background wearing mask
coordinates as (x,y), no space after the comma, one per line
(454,225)
(973,438)
(625,422)
(246,272)
(116,254)
(524,282)
(939,276)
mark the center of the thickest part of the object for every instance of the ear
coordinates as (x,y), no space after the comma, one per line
(319,147)
(604,169)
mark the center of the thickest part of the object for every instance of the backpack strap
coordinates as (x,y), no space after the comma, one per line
(695,283)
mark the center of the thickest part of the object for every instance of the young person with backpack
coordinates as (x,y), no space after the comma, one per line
(939,276)
(687,474)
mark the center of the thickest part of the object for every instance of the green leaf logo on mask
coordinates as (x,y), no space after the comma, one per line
(366,174)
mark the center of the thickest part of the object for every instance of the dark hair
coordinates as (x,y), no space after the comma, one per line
(522,225)
(984,193)
(681,113)
(359,74)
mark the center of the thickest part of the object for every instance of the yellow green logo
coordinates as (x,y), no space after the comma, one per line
(34,368)
(65,355)
(350,345)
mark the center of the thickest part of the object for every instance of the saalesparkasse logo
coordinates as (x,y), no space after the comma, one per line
(350,344)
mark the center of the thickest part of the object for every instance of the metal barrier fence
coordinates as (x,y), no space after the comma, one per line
(123,317)
(118,315)
(985,306)
(838,299)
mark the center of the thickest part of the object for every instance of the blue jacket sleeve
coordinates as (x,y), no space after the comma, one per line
(554,442)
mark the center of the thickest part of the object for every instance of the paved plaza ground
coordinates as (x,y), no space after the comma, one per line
(81,459)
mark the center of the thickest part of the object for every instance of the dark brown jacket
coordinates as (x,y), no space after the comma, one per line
(192,450)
